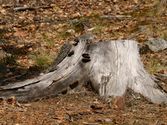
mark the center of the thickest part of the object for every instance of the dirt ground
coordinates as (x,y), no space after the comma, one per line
(84,108)
(32,37)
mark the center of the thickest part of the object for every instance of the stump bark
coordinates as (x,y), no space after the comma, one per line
(111,67)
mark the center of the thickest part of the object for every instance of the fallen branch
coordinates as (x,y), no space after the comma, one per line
(115,16)
(24,8)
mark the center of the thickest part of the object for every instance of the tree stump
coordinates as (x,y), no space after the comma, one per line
(111,67)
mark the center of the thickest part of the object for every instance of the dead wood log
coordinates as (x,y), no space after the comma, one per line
(112,67)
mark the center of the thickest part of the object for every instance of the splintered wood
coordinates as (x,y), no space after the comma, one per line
(111,67)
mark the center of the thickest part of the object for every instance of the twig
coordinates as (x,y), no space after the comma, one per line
(115,16)
(30,8)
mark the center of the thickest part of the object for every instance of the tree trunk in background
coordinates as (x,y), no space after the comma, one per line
(111,67)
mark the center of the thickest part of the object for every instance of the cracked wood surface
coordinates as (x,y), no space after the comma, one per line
(111,67)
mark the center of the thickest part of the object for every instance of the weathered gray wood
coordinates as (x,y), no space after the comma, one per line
(112,67)
(116,66)
(68,72)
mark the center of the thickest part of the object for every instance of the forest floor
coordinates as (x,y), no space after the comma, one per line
(30,38)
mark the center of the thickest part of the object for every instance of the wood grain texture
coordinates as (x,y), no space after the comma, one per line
(112,67)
